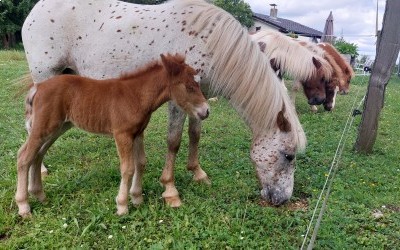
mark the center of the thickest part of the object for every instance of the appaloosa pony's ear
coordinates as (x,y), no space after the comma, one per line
(282,122)
(263,46)
(316,62)
(173,67)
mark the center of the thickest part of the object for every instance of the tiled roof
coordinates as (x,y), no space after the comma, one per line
(285,26)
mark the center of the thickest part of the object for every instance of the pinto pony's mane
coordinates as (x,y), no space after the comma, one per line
(347,72)
(241,72)
(291,57)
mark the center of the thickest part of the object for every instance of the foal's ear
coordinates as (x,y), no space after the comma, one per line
(316,62)
(171,65)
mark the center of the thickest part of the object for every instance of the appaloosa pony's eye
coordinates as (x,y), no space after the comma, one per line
(289,157)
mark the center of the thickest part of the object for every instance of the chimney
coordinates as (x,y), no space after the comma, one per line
(274,11)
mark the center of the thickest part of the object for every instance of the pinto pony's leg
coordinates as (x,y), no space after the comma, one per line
(193,165)
(124,142)
(175,129)
(140,162)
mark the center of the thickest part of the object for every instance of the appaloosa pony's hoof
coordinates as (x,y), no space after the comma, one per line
(174,201)
(137,200)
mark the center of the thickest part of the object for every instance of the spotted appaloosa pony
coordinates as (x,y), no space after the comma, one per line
(103,38)
(119,107)
(288,56)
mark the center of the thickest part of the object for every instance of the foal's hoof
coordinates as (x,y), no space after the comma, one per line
(122,210)
(204,180)
(173,201)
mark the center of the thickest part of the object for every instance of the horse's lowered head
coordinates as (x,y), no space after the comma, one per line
(184,90)
(314,87)
(274,157)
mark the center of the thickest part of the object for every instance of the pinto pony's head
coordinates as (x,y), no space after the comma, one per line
(184,90)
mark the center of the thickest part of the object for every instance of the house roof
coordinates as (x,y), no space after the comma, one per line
(286,26)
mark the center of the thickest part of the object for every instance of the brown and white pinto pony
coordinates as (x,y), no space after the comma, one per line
(288,56)
(120,107)
(347,71)
(340,75)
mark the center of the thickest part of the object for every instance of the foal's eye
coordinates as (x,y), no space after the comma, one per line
(289,157)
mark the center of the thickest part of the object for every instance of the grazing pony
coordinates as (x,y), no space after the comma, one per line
(119,107)
(288,56)
(347,70)
(337,79)
(103,38)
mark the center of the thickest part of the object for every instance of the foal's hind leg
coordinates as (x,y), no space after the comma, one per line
(124,143)
(27,156)
(175,129)
(193,165)
(140,162)
(35,186)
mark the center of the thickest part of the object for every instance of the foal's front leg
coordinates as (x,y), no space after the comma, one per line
(124,142)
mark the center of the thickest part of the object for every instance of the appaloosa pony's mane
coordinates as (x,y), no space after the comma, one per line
(247,78)
(290,56)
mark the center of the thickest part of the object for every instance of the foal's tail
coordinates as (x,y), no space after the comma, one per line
(28,106)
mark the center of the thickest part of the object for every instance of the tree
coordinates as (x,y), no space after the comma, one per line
(12,16)
(388,47)
(239,9)
(346,48)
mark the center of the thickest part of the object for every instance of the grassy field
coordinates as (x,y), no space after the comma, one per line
(84,179)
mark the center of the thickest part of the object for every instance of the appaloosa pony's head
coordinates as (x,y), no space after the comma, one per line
(274,157)
(184,90)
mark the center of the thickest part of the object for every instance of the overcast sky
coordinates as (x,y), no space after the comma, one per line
(353,19)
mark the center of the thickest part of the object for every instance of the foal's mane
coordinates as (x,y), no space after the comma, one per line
(241,72)
(151,66)
(291,56)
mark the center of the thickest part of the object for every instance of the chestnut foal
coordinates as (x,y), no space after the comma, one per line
(119,107)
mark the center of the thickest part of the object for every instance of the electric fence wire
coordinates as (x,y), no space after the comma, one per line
(330,177)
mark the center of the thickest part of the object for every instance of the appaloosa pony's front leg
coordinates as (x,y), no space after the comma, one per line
(124,142)
(140,163)
(193,164)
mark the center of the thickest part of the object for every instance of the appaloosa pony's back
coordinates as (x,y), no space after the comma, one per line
(103,38)
(119,107)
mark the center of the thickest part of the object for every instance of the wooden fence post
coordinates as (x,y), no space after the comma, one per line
(386,55)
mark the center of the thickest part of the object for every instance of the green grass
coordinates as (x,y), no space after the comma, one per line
(84,181)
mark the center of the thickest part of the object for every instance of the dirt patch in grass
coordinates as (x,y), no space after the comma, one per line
(296,205)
